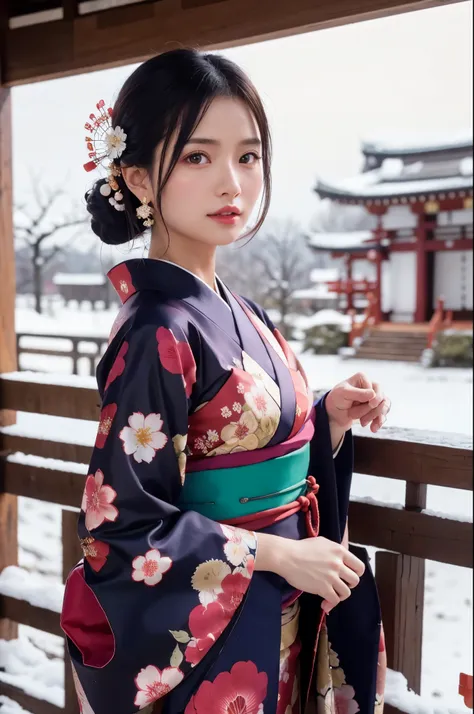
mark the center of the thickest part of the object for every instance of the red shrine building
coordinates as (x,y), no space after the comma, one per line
(416,261)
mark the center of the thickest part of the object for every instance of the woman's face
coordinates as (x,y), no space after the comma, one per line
(219,170)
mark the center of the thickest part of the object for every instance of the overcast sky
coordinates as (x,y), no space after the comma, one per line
(324,91)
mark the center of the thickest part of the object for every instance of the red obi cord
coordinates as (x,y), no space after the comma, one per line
(307,503)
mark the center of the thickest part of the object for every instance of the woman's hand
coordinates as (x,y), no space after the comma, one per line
(356,398)
(313,565)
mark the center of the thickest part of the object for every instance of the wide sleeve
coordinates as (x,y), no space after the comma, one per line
(158,588)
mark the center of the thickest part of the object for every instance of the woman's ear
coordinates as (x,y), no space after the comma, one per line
(138,181)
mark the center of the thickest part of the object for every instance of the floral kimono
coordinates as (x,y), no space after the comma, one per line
(207,434)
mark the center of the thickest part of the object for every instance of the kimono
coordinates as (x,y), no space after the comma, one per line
(208,433)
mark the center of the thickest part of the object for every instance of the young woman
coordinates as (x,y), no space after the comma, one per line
(213,521)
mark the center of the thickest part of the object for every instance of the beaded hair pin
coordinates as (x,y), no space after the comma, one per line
(106,143)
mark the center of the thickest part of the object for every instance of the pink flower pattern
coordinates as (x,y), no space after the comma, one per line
(97,501)
(150,567)
(153,684)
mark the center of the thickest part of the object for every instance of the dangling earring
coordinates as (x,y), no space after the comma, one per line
(145,212)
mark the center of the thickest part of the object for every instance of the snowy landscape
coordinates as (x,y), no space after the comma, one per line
(427,399)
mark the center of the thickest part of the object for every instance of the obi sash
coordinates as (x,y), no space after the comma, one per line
(230,493)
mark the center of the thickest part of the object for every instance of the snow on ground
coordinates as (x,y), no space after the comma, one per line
(429,399)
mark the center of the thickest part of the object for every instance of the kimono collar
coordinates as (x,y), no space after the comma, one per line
(168,278)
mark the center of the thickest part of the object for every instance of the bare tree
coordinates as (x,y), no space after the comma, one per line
(332,217)
(270,267)
(39,229)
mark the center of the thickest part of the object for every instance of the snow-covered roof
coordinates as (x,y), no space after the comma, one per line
(321,292)
(339,241)
(370,185)
(79,279)
(323,275)
(400,145)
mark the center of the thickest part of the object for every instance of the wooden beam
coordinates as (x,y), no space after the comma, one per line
(78,453)
(44,484)
(53,399)
(23,613)
(31,704)
(133,33)
(418,534)
(8,503)
(420,462)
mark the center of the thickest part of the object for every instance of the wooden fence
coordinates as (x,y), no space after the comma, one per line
(408,536)
(79,348)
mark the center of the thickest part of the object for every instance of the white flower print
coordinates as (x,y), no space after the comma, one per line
(207,580)
(242,432)
(199,445)
(241,388)
(259,375)
(226,413)
(150,567)
(239,543)
(212,436)
(237,407)
(115,142)
(143,437)
(153,684)
(260,402)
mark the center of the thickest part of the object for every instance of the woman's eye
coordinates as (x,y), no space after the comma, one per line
(250,158)
(196,158)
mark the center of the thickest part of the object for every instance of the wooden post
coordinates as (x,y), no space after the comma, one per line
(8,503)
(401,585)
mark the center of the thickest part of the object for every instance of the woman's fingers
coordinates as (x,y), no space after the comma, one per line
(349,576)
(380,413)
(353,562)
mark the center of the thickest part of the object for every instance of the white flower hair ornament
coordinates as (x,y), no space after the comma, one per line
(106,143)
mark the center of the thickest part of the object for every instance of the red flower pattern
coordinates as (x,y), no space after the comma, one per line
(122,281)
(176,357)
(234,587)
(106,418)
(118,366)
(240,691)
(95,552)
(208,623)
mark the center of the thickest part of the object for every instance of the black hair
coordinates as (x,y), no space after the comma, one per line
(166,94)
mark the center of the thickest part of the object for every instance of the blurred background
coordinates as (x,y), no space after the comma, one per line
(364,263)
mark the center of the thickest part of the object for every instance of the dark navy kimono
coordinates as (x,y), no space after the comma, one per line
(165,613)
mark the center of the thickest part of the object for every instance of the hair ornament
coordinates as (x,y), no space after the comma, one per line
(103,141)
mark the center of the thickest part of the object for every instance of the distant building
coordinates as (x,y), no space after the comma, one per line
(420,195)
(83,287)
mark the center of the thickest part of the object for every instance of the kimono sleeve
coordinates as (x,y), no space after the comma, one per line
(157,587)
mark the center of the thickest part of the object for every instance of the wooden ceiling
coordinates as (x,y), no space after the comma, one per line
(42,39)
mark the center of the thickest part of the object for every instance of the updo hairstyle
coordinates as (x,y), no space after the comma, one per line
(170,92)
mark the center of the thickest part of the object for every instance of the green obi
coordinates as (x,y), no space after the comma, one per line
(223,494)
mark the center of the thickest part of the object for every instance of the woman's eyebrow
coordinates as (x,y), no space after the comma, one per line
(251,141)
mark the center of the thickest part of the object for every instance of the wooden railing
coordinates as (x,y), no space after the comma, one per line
(369,319)
(88,348)
(407,535)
